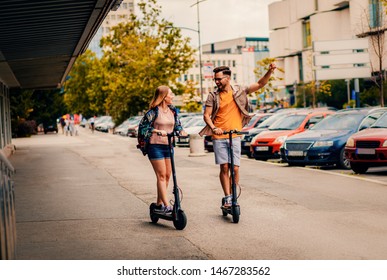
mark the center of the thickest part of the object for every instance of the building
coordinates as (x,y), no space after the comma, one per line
(116,16)
(297,24)
(39,42)
(240,54)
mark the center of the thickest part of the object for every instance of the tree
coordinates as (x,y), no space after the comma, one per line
(84,86)
(191,99)
(374,29)
(315,88)
(260,71)
(140,56)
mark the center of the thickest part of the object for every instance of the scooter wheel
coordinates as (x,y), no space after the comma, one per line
(181,220)
(153,218)
(235,218)
(224,211)
(235,212)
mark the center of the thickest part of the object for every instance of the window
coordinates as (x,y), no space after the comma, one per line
(233,63)
(307,34)
(376,13)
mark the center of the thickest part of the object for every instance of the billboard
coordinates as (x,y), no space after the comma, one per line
(342,59)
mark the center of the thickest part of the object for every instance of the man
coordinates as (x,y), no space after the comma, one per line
(227,109)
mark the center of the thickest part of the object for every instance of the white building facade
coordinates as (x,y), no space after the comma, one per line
(296,24)
(122,14)
(240,54)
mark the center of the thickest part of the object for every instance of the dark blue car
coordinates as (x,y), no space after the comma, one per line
(324,143)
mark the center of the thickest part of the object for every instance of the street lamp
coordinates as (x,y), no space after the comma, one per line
(200,50)
(200,54)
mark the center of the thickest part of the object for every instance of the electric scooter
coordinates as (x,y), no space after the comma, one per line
(234,210)
(177,216)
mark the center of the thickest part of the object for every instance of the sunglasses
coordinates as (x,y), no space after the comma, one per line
(219,79)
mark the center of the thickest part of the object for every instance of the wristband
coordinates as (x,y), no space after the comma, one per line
(214,128)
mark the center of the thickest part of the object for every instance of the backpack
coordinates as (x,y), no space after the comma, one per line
(141,143)
(143,135)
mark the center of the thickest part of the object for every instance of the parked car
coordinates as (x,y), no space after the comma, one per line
(246,139)
(194,128)
(122,129)
(50,127)
(266,145)
(104,123)
(368,148)
(256,120)
(324,143)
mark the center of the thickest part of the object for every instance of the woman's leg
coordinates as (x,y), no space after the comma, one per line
(162,170)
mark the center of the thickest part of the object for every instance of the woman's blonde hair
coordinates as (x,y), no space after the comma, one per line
(160,93)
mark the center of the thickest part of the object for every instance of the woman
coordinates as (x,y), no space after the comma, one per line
(161,119)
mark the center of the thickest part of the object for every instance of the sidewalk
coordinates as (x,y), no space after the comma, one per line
(69,208)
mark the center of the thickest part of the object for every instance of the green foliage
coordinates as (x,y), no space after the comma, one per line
(138,57)
(260,71)
(48,106)
(29,107)
(84,87)
(370,97)
(314,88)
(192,99)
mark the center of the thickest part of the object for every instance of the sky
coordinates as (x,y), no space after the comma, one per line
(219,19)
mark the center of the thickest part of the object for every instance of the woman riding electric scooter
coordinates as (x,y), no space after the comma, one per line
(160,121)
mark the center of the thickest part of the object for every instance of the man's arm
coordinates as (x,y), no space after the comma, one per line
(263,81)
(207,117)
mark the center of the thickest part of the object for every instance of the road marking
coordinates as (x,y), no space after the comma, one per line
(354,176)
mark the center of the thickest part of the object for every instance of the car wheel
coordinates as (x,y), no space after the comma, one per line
(344,161)
(359,168)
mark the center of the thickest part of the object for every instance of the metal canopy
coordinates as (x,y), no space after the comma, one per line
(40,39)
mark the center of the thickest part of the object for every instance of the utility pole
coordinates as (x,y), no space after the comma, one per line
(200,53)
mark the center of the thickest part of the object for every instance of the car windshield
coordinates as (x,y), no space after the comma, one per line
(381,122)
(289,123)
(339,122)
(252,121)
(269,121)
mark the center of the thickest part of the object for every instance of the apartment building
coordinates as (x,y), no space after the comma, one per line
(296,24)
(121,14)
(240,54)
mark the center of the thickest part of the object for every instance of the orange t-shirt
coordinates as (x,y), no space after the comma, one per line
(229,116)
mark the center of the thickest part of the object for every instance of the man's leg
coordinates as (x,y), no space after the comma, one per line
(225,179)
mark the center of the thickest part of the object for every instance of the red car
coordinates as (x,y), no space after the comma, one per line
(368,148)
(256,120)
(266,145)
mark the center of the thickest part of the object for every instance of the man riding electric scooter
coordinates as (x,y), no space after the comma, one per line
(227,109)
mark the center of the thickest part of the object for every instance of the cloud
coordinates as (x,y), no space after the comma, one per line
(219,19)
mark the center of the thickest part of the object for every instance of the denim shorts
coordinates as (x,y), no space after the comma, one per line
(158,151)
(221,152)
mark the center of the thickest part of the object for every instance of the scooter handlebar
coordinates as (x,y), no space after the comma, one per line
(175,133)
(235,131)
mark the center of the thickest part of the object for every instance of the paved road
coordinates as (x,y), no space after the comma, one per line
(87,197)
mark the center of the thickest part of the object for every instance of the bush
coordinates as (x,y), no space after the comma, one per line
(26,128)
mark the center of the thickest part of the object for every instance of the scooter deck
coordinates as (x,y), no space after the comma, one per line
(168,216)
